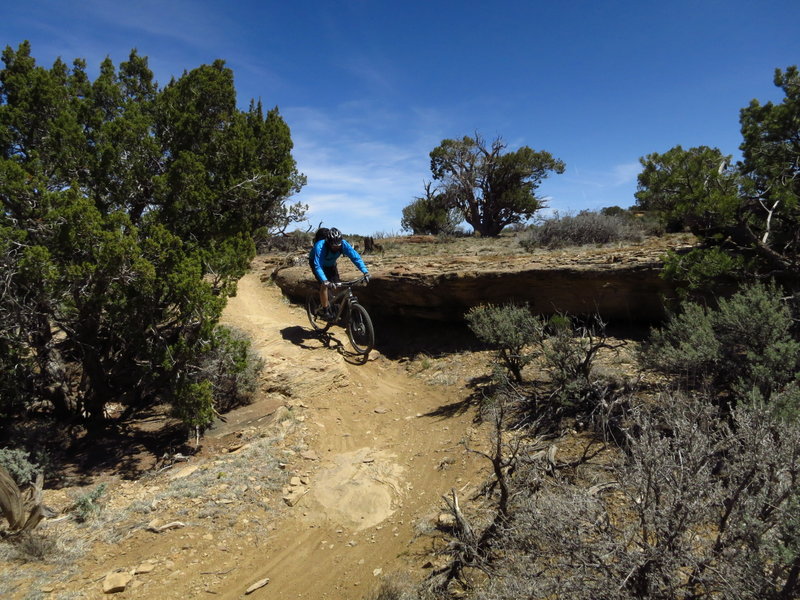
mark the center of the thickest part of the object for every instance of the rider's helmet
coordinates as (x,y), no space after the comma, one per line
(334,239)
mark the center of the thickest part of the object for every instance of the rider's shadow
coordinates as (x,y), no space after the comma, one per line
(301,336)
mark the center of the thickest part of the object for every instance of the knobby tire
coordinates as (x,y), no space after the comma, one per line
(360,330)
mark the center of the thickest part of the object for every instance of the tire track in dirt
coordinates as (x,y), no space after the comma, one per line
(371,448)
(385,459)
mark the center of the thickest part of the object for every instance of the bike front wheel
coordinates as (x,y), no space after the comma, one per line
(360,330)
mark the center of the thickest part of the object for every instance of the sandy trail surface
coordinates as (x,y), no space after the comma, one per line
(386,451)
(366,452)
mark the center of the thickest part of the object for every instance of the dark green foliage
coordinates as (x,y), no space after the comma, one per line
(430,214)
(749,210)
(747,342)
(128,215)
(614,211)
(19,466)
(704,269)
(511,330)
(490,189)
(584,228)
(693,188)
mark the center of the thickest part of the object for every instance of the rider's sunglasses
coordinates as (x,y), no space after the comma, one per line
(336,247)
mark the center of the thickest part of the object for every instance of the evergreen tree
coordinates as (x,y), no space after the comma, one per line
(749,211)
(490,188)
(127,218)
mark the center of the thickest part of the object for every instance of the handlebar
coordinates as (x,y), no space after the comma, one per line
(350,283)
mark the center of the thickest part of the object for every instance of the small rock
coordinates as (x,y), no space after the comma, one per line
(294,496)
(309,455)
(116,582)
(377,572)
(145,567)
(184,472)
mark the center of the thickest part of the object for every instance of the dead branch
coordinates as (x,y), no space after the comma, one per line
(22,510)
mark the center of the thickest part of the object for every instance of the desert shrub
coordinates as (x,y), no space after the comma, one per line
(32,547)
(88,505)
(747,341)
(195,405)
(509,329)
(392,589)
(582,229)
(19,465)
(232,368)
(698,509)
(569,351)
(225,377)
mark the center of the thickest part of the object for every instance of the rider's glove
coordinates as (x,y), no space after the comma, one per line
(330,285)
(366,277)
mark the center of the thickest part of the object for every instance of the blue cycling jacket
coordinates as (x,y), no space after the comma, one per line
(321,256)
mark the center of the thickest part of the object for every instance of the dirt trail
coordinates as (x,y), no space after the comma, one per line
(385,459)
(369,451)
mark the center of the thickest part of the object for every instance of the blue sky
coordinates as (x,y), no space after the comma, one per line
(370,87)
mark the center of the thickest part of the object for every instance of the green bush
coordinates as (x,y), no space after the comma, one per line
(127,217)
(232,368)
(87,505)
(19,465)
(430,215)
(746,342)
(511,330)
(702,269)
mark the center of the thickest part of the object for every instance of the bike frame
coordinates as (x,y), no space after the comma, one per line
(345,297)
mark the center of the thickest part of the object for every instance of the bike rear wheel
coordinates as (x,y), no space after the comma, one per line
(360,330)
(312,309)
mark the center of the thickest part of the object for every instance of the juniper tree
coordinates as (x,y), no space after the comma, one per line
(127,217)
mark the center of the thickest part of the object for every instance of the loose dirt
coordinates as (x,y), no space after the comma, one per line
(359,458)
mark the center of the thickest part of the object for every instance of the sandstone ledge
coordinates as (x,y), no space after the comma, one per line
(621,284)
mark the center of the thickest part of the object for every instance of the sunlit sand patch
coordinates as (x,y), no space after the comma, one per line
(362,489)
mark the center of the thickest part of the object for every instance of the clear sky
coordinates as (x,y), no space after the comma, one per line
(370,87)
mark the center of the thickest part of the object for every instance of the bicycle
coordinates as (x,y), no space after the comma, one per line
(347,312)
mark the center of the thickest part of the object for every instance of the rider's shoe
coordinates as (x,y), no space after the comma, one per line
(326,314)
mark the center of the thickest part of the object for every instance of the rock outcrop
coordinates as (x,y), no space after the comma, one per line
(620,284)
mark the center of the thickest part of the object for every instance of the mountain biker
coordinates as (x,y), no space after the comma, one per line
(328,247)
